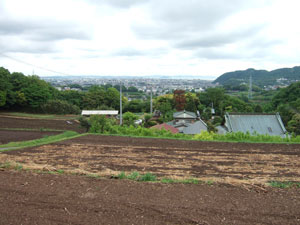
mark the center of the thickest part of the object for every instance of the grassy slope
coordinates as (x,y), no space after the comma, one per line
(42,141)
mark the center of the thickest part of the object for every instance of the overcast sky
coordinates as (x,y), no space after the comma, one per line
(148,37)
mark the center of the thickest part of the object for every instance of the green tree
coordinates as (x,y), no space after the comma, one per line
(294,124)
(112,98)
(191,102)
(59,107)
(5,85)
(37,92)
(94,98)
(129,118)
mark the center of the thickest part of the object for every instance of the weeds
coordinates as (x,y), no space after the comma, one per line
(5,165)
(137,177)
(133,176)
(18,167)
(148,177)
(286,184)
(60,171)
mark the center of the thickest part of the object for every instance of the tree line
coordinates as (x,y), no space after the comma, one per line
(30,93)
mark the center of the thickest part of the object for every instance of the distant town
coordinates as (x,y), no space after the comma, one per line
(159,86)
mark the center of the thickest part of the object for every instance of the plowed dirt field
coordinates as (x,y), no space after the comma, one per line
(239,194)
(30,123)
(30,198)
(232,163)
(7,136)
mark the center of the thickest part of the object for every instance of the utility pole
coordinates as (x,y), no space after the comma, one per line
(151,108)
(121,116)
(250,87)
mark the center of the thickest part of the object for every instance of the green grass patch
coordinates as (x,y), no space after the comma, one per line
(147,177)
(137,176)
(45,140)
(133,176)
(150,177)
(284,184)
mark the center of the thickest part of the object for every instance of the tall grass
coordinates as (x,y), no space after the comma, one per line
(245,137)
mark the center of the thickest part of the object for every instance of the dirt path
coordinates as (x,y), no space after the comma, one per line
(30,198)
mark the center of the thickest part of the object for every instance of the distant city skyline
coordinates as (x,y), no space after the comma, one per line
(195,38)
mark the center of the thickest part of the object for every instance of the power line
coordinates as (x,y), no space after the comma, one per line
(29,64)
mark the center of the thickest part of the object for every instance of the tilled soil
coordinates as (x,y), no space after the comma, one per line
(30,123)
(31,198)
(233,163)
(7,136)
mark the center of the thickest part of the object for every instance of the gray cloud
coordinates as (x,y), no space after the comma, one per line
(119,3)
(254,49)
(131,52)
(42,30)
(16,45)
(175,19)
(217,39)
(19,34)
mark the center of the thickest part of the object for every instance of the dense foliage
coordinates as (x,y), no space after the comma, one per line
(30,93)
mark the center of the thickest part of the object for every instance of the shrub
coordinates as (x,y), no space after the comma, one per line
(100,124)
(129,118)
(84,122)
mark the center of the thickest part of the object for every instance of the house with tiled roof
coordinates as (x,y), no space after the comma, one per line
(188,122)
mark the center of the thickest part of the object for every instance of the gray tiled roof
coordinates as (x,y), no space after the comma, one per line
(260,123)
(195,128)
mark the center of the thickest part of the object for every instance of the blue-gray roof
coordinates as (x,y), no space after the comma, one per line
(195,128)
(270,124)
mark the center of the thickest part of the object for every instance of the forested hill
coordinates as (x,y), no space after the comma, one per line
(260,77)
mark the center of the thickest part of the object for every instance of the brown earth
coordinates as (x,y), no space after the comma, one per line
(29,198)
(30,123)
(7,136)
(234,163)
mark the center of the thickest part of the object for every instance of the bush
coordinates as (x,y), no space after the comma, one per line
(84,122)
(59,107)
(100,124)
(129,118)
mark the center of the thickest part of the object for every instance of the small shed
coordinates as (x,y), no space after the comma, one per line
(108,113)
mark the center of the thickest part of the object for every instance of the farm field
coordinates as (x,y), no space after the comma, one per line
(7,136)
(34,198)
(31,194)
(33,123)
(233,163)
